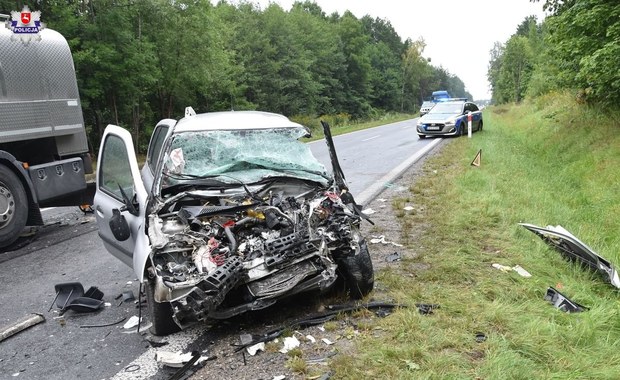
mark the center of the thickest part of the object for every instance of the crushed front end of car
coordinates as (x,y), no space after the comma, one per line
(239,225)
(215,256)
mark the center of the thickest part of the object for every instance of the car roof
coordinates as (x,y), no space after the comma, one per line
(234,120)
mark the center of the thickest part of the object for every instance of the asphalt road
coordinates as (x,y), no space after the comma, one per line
(367,156)
(68,249)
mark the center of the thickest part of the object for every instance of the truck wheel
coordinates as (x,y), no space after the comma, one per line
(357,272)
(160,313)
(13,206)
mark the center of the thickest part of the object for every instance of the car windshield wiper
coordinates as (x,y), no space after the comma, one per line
(195,179)
(316,172)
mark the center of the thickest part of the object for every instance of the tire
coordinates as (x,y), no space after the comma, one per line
(357,272)
(13,206)
(461,129)
(160,313)
(480,126)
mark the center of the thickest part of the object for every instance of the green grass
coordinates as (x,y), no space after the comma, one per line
(547,162)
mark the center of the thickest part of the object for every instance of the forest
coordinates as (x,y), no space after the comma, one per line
(138,61)
(575,48)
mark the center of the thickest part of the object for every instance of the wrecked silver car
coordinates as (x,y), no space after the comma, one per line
(230,213)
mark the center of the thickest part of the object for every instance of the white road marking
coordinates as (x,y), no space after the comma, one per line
(371,138)
(377,187)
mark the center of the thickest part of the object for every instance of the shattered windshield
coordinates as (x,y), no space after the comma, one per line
(247,155)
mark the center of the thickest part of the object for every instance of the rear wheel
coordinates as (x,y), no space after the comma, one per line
(13,206)
(160,313)
(480,126)
(357,272)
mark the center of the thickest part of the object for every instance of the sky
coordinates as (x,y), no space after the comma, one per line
(459,34)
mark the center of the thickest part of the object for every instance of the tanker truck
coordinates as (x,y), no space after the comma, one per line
(44,154)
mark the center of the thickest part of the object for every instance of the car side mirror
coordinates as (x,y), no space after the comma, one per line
(119,226)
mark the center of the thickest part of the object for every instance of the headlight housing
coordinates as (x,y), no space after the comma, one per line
(451,122)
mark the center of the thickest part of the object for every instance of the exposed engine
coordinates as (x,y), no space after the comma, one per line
(217,256)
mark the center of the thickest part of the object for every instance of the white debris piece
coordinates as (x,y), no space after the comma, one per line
(368,211)
(175,359)
(517,268)
(382,200)
(503,268)
(408,208)
(290,342)
(252,350)
(381,239)
(311,338)
(521,271)
(132,322)
(327,341)
(279,377)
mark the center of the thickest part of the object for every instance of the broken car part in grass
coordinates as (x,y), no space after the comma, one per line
(562,302)
(575,250)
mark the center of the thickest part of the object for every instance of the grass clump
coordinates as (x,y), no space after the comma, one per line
(548,162)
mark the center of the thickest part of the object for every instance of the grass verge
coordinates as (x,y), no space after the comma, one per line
(547,162)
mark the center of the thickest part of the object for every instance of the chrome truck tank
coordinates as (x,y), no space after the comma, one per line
(38,92)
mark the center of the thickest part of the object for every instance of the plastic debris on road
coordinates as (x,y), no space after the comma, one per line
(290,342)
(132,322)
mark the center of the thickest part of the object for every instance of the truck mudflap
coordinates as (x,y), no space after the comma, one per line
(575,250)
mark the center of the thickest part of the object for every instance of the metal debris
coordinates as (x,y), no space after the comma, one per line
(103,324)
(392,257)
(317,319)
(575,250)
(562,302)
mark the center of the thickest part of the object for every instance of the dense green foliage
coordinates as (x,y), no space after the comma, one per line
(139,61)
(576,47)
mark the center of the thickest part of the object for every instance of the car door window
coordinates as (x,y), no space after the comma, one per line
(473,107)
(114,170)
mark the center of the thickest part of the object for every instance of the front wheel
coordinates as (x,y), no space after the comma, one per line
(160,313)
(357,272)
(13,206)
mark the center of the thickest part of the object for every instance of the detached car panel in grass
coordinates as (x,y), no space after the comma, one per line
(449,118)
(237,214)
